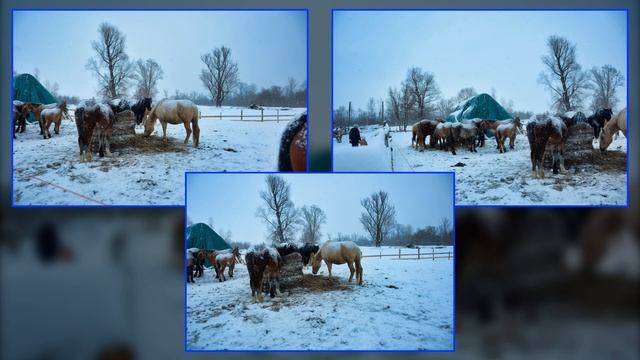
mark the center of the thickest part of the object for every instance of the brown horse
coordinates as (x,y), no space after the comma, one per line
(339,252)
(464,133)
(90,119)
(174,112)
(258,262)
(540,132)
(53,115)
(292,155)
(611,127)
(37,112)
(508,130)
(440,134)
(224,260)
(421,130)
(21,111)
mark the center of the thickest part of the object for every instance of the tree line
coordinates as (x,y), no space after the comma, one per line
(117,76)
(418,95)
(288,224)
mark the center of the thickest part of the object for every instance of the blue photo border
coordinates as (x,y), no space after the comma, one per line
(14,10)
(625,10)
(455,256)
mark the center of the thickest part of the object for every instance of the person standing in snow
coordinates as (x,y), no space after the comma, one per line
(354,136)
(387,134)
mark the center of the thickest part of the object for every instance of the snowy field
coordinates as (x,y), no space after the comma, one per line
(49,172)
(488,177)
(402,305)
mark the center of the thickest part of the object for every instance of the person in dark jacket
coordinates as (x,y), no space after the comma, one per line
(354,136)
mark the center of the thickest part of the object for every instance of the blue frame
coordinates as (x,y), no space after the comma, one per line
(453,210)
(14,10)
(626,10)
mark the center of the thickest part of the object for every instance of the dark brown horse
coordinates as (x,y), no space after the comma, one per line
(21,111)
(292,155)
(258,262)
(549,130)
(90,119)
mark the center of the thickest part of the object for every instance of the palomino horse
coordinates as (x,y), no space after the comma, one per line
(224,260)
(292,155)
(140,108)
(504,131)
(540,132)
(257,263)
(421,130)
(611,128)
(174,112)
(52,115)
(339,252)
(598,119)
(100,118)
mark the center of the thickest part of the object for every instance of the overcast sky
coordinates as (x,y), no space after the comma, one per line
(269,46)
(231,200)
(479,49)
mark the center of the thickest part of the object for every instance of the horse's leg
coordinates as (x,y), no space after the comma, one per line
(187,128)
(56,127)
(231,269)
(164,131)
(358,271)
(351,270)
(561,159)
(512,141)
(196,133)
(328,267)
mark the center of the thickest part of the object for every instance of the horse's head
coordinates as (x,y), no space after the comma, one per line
(147,103)
(149,123)
(316,261)
(604,139)
(236,254)
(63,107)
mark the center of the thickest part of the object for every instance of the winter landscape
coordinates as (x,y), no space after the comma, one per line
(105,103)
(562,93)
(405,300)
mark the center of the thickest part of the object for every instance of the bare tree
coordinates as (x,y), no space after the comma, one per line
(604,82)
(291,87)
(444,107)
(393,105)
(147,73)
(424,90)
(378,217)
(445,232)
(407,101)
(278,213)
(111,63)
(563,76)
(466,93)
(311,217)
(221,75)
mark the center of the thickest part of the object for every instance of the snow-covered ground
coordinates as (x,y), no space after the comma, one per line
(373,157)
(490,178)
(402,305)
(49,172)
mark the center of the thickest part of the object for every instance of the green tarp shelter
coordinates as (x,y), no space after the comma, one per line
(203,237)
(27,88)
(480,106)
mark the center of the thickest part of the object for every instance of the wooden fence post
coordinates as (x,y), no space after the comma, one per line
(380,253)
(278,116)
(398,253)
(433,254)
(240,114)
(449,255)
(418,253)
(261,114)
(220,115)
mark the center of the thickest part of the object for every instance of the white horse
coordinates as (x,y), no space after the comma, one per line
(611,128)
(339,252)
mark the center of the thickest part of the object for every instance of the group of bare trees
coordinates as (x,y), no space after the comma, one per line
(116,72)
(569,85)
(283,219)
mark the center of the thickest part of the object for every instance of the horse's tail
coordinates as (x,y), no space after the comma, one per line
(196,127)
(284,155)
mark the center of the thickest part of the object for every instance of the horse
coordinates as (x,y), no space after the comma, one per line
(307,251)
(225,260)
(286,249)
(421,130)
(98,117)
(339,252)
(464,133)
(257,263)
(20,112)
(504,131)
(550,130)
(571,118)
(140,108)
(174,112)
(292,155)
(337,134)
(37,109)
(611,128)
(598,119)
(440,135)
(119,105)
(190,264)
(53,115)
